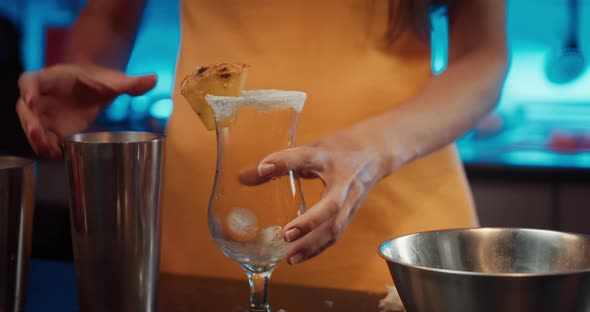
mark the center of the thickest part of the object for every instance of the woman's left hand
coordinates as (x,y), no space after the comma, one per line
(349,163)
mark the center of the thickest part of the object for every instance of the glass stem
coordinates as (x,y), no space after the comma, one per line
(258,291)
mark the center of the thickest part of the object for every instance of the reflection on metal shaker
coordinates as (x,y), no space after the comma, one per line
(17,196)
(114,183)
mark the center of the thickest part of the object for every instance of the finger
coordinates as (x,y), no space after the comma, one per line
(303,158)
(54,132)
(314,243)
(28,84)
(117,82)
(92,81)
(53,142)
(330,229)
(32,127)
(250,176)
(325,209)
(305,161)
(140,84)
(64,118)
(38,141)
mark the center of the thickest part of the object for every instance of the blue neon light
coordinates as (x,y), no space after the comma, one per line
(162,109)
(119,109)
(439,39)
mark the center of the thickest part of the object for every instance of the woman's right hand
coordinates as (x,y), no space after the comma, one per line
(65,99)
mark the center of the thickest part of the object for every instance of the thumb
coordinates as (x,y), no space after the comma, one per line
(138,85)
(304,160)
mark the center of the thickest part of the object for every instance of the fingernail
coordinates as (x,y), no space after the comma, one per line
(292,235)
(296,259)
(266,169)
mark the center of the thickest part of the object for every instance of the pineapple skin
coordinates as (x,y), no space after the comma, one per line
(223,79)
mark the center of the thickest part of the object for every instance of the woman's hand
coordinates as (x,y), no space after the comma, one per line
(349,163)
(65,99)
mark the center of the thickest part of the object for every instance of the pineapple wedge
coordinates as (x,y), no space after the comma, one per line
(224,79)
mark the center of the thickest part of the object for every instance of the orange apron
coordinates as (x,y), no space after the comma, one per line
(330,49)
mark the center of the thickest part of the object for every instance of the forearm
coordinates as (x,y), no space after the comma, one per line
(450,105)
(104,33)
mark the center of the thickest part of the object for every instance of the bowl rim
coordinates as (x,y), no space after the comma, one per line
(481,274)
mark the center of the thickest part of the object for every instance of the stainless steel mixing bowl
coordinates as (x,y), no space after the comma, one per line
(491,269)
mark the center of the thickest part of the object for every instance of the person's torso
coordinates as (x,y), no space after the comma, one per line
(333,51)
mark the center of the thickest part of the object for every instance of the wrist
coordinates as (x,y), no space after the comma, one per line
(388,143)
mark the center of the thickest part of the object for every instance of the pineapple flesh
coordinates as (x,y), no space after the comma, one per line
(224,79)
